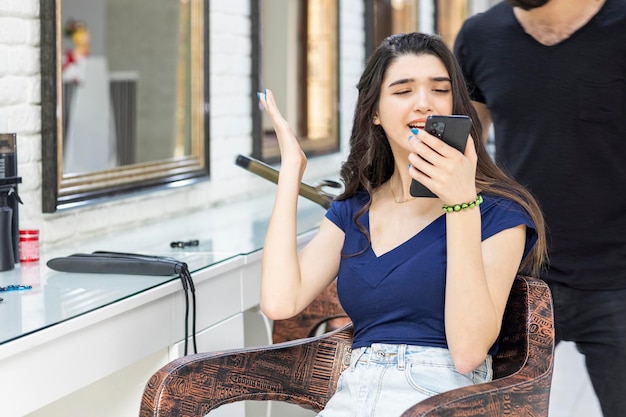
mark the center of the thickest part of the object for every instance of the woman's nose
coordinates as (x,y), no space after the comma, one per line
(421,102)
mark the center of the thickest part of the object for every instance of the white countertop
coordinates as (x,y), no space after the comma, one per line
(223,232)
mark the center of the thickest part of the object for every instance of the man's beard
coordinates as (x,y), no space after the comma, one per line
(527,4)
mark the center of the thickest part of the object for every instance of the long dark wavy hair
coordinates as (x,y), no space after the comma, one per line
(371,162)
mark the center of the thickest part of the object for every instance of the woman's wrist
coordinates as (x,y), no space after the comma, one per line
(451,208)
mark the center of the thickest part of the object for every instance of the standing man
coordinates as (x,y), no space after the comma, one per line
(551,75)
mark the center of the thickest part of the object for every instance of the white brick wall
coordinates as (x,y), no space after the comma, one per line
(231,122)
(20,95)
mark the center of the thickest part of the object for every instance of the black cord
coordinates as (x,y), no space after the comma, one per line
(192,287)
(186,279)
(187,283)
(183,280)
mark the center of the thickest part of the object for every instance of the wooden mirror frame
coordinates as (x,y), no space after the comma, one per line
(64,191)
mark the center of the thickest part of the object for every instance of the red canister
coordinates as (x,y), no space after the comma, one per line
(29,245)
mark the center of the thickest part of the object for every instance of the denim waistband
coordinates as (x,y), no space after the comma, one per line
(390,354)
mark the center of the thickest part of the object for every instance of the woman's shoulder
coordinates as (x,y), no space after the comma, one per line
(499,213)
(345,207)
(355,201)
(499,208)
(497,203)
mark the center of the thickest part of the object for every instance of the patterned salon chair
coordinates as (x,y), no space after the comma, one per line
(305,371)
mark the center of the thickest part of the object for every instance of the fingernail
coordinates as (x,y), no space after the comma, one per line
(414,131)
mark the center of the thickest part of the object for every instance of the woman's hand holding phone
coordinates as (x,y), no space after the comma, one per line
(443,163)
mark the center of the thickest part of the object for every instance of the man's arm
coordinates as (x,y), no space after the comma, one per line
(485,118)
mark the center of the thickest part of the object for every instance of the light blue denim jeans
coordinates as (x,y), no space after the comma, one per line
(385,380)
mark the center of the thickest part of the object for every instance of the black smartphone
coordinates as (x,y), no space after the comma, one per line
(453,130)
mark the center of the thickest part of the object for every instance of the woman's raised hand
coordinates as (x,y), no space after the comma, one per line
(290,150)
(280,273)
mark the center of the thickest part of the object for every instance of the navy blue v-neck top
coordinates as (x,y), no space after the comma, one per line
(398,297)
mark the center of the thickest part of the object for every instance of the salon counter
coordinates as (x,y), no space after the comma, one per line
(85,344)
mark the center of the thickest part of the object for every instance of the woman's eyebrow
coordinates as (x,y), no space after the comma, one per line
(401,81)
(410,80)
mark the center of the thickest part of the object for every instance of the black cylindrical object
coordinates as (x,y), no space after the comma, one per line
(8,169)
(7,259)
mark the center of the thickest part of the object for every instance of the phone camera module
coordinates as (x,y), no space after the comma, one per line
(438,128)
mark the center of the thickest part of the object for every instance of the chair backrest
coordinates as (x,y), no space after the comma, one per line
(527,337)
(527,324)
(324,307)
(526,302)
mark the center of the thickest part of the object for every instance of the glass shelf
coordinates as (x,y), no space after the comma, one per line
(223,232)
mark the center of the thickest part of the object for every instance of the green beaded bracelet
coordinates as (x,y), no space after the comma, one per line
(463,206)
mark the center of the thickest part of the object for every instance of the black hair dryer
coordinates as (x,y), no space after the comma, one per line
(8,246)
(9,199)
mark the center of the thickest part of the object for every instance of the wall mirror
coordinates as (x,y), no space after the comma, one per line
(384,17)
(124,97)
(296,54)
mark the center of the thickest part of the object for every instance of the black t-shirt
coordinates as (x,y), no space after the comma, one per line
(559,116)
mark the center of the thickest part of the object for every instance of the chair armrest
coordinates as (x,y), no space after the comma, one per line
(302,372)
(512,396)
